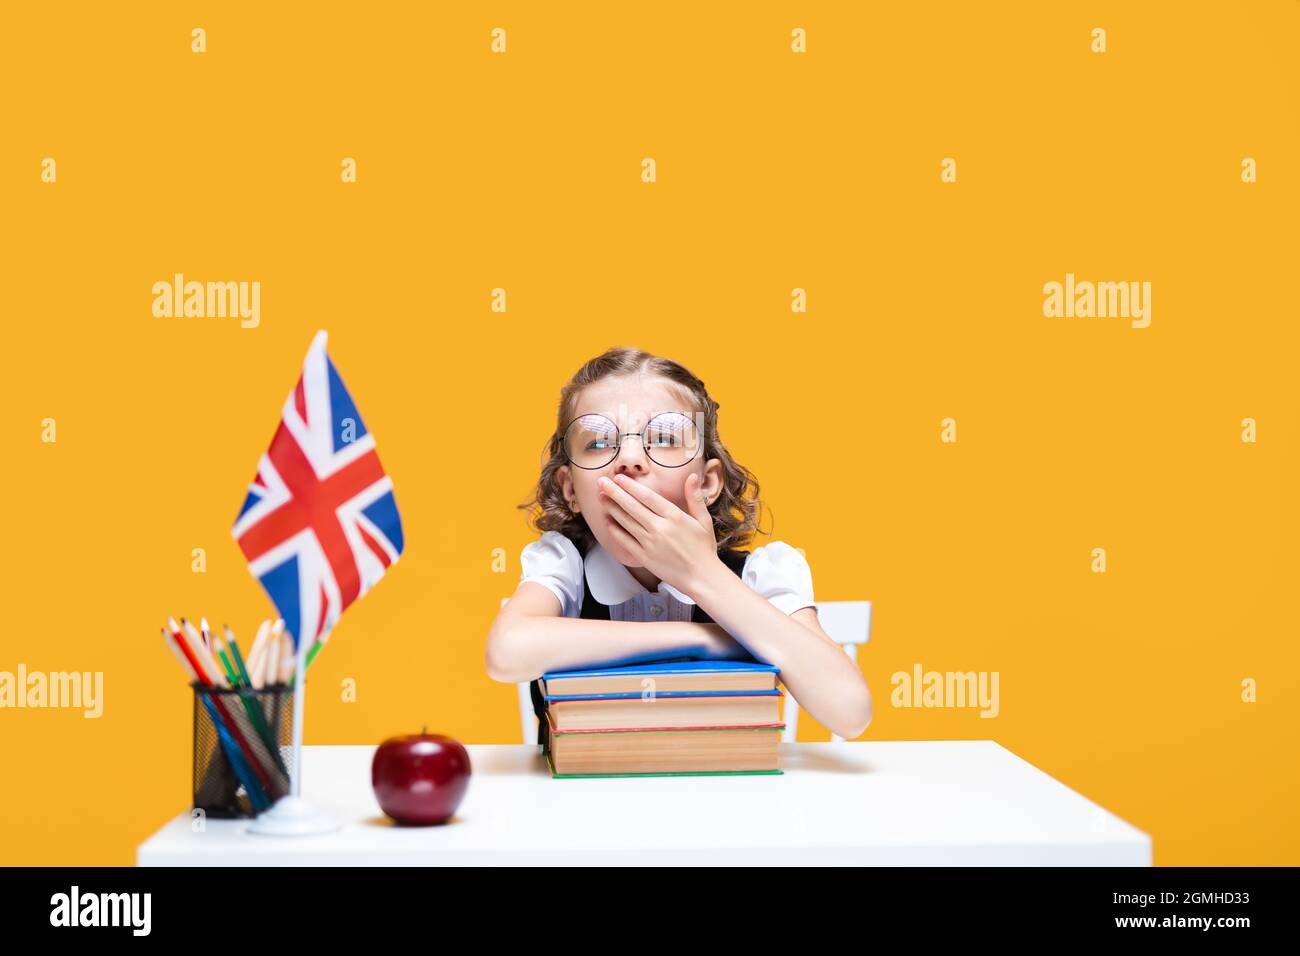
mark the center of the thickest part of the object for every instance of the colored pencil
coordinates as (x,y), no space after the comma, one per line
(256,795)
(215,644)
(274,652)
(176,651)
(287,661)
(232,756)
(257,660)
(200,649)
(239,658)
(311,656)
(252,706)
(207,682)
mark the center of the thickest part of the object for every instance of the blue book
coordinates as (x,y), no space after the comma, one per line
(701,717)
(678,677)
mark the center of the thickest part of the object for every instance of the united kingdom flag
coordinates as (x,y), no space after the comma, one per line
(320,524)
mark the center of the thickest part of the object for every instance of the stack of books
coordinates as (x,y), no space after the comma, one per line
(663,718)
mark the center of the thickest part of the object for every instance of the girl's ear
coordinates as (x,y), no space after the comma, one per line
(565,479)
(711,482)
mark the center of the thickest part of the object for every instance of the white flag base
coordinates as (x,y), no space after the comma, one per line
(293,816)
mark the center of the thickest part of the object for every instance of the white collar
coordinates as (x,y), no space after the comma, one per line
(611,583)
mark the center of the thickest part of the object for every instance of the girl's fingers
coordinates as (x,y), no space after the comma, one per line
(619,517)
(651,499)
(620,495)
(624,538)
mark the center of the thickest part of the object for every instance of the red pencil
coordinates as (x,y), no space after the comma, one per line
(262,778)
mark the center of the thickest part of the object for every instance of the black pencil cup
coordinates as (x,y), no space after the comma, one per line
(243,750)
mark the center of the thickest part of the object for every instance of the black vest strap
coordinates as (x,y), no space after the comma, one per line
(594,610)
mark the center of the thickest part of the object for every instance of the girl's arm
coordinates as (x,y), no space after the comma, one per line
(529,638)
(822,678)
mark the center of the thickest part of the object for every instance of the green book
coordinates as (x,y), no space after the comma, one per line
(683,773)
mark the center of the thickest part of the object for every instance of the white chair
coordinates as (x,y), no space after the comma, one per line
(527,719)
(847,623)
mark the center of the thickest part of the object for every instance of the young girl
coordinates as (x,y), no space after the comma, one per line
(642,512)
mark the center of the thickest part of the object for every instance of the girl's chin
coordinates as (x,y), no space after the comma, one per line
(613,547)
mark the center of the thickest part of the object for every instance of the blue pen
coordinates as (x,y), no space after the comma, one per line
(256,795)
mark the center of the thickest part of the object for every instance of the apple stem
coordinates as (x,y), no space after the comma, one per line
(424,730)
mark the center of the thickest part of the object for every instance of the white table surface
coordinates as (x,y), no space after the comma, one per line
(940,802)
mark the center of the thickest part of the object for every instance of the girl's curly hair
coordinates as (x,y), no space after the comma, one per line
(735,511)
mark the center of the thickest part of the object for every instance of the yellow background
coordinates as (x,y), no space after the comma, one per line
(775,171)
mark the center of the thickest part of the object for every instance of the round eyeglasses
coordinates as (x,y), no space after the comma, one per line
(671,439)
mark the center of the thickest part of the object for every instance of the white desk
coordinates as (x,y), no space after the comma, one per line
(856,802)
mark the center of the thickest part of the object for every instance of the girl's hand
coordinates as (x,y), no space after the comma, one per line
(721,646)
(675,546)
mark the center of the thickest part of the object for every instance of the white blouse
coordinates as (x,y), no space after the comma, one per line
(775,570)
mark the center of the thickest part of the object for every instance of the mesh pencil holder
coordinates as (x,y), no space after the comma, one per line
(242,748)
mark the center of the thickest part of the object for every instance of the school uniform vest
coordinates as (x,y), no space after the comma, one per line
(594,610)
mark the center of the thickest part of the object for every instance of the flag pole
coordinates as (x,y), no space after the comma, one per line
(299,702)
(292,815)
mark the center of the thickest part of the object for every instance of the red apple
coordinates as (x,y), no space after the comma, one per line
(420,779)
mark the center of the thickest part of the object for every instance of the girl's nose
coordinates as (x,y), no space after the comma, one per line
(631,453)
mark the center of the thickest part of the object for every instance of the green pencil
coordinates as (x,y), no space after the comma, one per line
(239,658)
(311,656)
(241,680)
(214,642)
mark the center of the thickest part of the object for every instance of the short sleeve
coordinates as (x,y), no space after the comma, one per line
(553,561)
(781,574)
